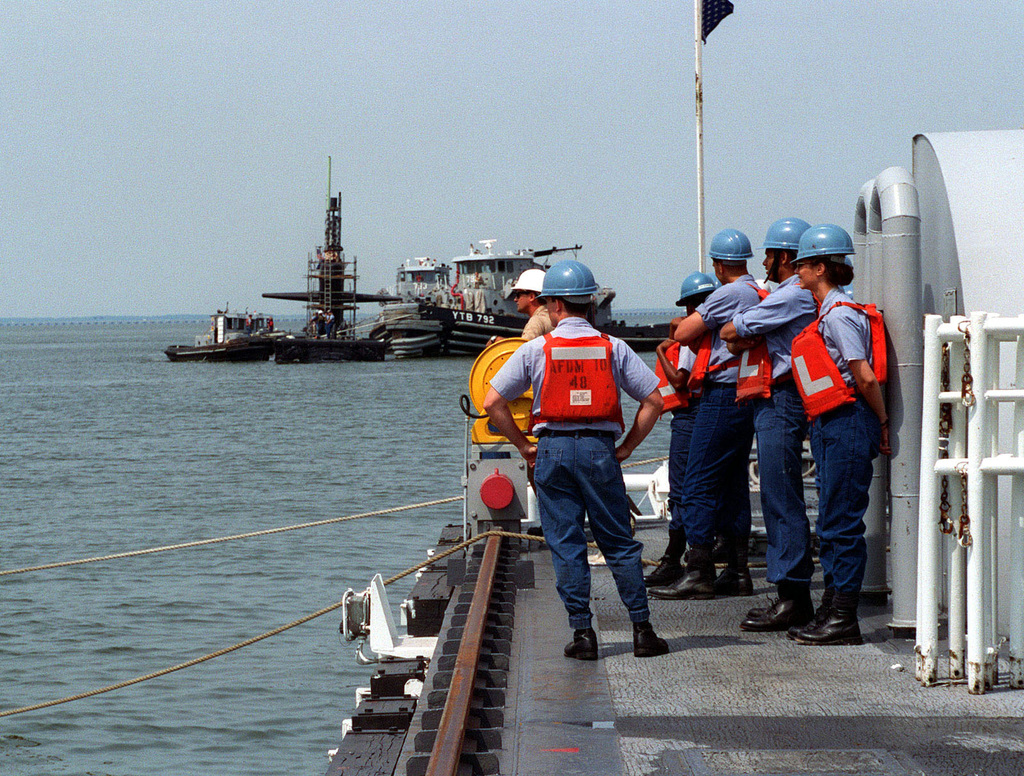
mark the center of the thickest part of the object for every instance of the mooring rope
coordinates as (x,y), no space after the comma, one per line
(320,612)
(248,535)
(251,534)
(254,639)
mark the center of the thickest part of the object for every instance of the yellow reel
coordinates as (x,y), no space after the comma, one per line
(484,368)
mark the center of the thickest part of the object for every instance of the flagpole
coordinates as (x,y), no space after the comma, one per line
(697,44)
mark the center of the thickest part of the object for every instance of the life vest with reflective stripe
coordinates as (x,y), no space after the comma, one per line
(672,398)
(701,368)
(579,385)
(818,379)
(754,380)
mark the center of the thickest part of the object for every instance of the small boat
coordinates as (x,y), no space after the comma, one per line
(232,337)
(436,315)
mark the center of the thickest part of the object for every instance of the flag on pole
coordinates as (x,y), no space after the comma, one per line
(712,12)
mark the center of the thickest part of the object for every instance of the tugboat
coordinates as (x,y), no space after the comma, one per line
(438,316)
(232,337)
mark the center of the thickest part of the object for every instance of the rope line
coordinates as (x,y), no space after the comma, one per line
(254,639)
(264,532)
(281,629)
(320,612)
(250,534)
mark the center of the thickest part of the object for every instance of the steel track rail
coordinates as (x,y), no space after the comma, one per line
(451,731)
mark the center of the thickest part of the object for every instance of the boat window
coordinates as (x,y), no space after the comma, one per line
(501,265)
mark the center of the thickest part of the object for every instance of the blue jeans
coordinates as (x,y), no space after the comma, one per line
(678,452)
(716,482)
(781,426)
(844,442)
(577,476)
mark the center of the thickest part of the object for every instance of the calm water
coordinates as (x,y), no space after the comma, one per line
(107,447)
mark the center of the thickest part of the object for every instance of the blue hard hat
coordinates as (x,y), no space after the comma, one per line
(568,279)
(730,245)
(825,240)
(785,233)
(695,284)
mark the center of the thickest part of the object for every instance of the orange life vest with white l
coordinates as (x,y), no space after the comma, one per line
(672,398)
(578,385)
(754,380)
(701,368)
(818,379)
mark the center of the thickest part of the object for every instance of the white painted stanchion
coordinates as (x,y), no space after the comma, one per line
(977,559)
(1016,575)
(929,538)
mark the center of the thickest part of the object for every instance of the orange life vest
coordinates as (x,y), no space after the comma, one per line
(817,377)
(701,368)
(672,398)
(578,385)
(754,380)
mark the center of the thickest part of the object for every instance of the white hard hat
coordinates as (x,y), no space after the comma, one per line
(530,280)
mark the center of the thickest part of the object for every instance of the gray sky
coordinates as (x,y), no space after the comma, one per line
(168,157)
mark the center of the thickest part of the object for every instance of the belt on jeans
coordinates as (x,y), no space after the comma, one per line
(579,432)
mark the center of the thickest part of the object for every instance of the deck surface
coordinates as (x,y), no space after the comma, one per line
(728,703)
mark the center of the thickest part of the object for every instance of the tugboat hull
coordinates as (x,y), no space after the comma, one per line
(431,330)
(234,350)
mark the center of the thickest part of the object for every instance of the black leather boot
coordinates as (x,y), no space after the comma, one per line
(735,578)
(669,568)
(720,551)
(839,627)
(793,608)
(698,582)
(646,643)
(583,645)
(820,614)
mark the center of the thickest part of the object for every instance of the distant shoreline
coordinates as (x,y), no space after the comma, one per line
(666,313)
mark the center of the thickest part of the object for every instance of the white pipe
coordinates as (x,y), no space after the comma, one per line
(991,485)
(929,539)
(957,555)
(900,291)
(1016,572)
(977,562)
(869,213)
(863,289)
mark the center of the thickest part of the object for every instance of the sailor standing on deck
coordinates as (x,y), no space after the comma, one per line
(764,335)
(576,374)
(675,363)
(716,481)
(525,293)
(838,363)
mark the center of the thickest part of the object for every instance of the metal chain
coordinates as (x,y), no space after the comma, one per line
(967,381)
(964,534)
(945,428)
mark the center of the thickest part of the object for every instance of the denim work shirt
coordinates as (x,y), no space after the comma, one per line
(847,333)
(716,311)
(780,316)
(525,367)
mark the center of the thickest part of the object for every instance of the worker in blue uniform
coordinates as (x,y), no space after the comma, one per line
(716,481)
(780,425)
(695,288)
(577,374)
(838,364)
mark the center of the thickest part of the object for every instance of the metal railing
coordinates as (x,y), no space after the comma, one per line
(959,536)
